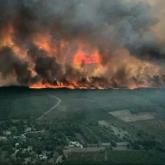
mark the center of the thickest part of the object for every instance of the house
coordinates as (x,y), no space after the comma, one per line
(75,153)
(121,146)
(75,144)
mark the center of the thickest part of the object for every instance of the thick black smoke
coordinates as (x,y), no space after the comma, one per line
(11,65)
(116,21)
(46,67)
(103,23)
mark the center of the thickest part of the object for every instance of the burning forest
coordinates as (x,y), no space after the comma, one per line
(80,44)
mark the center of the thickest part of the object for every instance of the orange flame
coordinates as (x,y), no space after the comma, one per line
(70,85)
(85,58)
(43,42)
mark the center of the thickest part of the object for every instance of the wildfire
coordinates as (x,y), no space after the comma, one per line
(138,85)
(76,64)
(86,58)
(43,42)
(71,85)
(7,40)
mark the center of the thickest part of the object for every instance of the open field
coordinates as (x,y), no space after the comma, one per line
(20,101)
(127,116)
(47,121)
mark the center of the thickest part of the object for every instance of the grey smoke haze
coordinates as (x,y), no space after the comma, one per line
(107,24)
(116,21)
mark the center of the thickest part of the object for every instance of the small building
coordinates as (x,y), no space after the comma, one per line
(103,123)
(7,133)
(43,156)
(121,146)
(28,129)
(75,144)
(3,139)
(76,153)
(105,144)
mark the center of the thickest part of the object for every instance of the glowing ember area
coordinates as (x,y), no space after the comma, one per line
(59,85)
(136,85)
(70,85)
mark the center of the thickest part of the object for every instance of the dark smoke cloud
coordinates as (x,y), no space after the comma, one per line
(103,23)
(10,64)
(117,21)
(46,67)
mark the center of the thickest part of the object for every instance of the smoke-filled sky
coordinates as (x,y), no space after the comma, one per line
(91,43)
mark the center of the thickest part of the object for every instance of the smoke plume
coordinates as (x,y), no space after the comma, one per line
(81,43)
